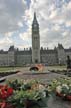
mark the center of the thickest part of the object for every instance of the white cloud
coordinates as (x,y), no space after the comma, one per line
(68,23)
(8,34)
(11,12)
(5,43)
(53,21)
(20,24)
(69,5)
(65,34)
(53,16)
(56,27)
(21,46)
(25,36)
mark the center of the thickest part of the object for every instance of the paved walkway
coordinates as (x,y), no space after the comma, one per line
(45,77)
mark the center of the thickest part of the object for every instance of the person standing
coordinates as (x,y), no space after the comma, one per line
(68,64)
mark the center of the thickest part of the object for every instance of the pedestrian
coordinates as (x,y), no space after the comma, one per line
(68,64)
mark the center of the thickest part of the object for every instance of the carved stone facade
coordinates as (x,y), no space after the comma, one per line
(35,41)
(15,57)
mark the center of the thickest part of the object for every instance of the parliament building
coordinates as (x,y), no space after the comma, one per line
(16,57)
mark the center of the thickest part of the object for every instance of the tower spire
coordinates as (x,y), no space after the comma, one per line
(35,40)
(35,8)
(35,15)
(35,22)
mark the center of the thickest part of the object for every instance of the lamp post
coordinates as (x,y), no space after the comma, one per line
(60,61)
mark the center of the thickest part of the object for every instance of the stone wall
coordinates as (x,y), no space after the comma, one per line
(47,56)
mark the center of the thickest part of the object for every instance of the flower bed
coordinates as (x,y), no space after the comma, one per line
(61,87)
(2,74)
(20,94)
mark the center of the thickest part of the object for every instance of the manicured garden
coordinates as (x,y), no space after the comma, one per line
(5,71)
(61,87)
(22,94)
(8,69)
(33,93)
(58,67)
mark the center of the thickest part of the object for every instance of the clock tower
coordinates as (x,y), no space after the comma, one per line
(35,41)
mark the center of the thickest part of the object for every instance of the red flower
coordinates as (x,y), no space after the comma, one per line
(10,91)
(3,105)
(6,105)
(59,94)
(5,92)
(69,97)
(9,105)
(1,86)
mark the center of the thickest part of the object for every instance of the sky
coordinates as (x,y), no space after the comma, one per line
(16,16)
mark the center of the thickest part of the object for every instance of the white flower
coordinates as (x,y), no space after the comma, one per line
(59,89)
(41,87)
(65,85)
(44,94)
(70,85)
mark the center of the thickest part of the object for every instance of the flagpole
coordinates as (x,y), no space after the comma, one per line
(35,2)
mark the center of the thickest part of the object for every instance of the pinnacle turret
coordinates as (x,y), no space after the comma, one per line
(35,19)
(35,16)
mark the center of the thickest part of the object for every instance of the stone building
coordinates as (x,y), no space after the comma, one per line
(15,57)
(35,41)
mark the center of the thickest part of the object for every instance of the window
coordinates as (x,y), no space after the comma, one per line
(36,61)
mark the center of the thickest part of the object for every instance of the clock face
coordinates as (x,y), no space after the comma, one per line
(35,25)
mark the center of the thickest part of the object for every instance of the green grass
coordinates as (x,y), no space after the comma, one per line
(7,69)
(55,68)
(10,69)
(25,69)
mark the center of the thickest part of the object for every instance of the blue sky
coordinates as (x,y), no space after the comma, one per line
(16,19)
